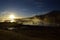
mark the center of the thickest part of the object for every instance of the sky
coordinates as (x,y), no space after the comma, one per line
(27,8)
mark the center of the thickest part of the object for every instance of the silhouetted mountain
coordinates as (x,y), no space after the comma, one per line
(54,14)
(51,17)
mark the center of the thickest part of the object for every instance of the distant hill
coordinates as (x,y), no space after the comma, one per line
(54,13)
(51,17)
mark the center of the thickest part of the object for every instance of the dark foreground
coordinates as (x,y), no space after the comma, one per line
(26,32)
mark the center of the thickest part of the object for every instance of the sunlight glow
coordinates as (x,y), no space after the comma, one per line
(12,17)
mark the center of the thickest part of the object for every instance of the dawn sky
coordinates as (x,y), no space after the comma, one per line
(25,8)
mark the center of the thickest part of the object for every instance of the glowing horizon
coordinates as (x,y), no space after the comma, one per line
(11,17)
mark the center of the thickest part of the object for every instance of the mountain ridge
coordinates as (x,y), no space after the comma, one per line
(53,17)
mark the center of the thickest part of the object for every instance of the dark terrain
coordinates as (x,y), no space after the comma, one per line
(27,32)
(32,32)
